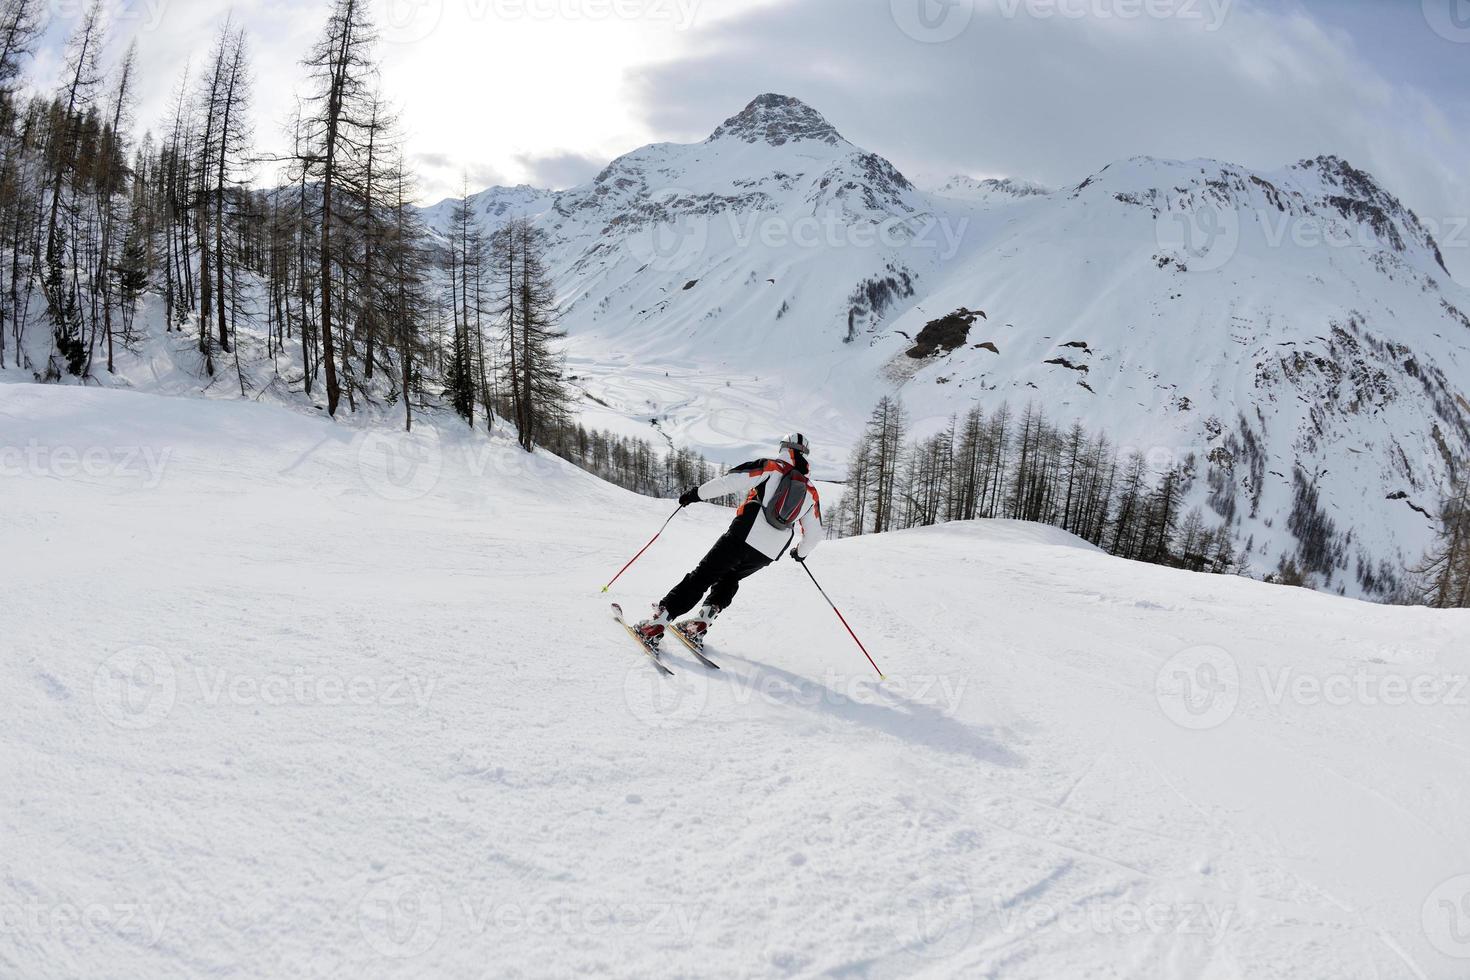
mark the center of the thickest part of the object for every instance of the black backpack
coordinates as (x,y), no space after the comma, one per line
(788,499)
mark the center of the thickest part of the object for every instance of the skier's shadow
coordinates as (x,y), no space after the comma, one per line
(881,709)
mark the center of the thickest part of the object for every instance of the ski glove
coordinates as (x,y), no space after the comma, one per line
(690,496)
(796,556)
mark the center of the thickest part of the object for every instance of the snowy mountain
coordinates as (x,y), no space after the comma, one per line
(245,744)
(774,197)
(723,264)
(493,206)
(989,190)
(1269,332)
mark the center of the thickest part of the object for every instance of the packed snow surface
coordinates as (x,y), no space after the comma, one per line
(284,697)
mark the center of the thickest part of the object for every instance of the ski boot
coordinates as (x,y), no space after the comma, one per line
(651,631)
(694,628)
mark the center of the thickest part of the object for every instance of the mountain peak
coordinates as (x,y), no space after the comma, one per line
(1340,175)
(776,119)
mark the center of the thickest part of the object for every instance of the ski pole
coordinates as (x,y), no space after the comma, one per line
(643,549)
(841,617)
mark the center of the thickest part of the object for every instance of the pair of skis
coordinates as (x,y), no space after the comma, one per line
(653,652)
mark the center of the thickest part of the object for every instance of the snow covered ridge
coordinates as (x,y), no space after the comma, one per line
(989,189)
(1324,202)
(1079,766)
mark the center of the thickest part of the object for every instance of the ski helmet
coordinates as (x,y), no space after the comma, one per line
(798,442)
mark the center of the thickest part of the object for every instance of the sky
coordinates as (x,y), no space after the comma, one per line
(548,91)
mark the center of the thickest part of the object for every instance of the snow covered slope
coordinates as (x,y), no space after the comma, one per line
(282,697)
(1249,326)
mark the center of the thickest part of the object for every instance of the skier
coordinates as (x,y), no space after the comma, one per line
(778,499)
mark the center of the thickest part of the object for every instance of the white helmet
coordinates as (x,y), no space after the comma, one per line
(798,442)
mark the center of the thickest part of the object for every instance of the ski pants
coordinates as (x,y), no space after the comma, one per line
(720,571)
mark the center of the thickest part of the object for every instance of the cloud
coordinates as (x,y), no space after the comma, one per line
(442,175)
(1049,90)
(438,161)
(561,168)
(481,175)
(1053,90)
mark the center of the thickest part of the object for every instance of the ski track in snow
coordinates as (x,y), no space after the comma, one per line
(272,712)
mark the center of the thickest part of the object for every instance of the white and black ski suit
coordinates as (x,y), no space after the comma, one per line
(751,543)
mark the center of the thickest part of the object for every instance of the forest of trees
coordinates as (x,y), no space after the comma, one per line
(1025,468)
(357,303)
(355,300)
(634,464)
